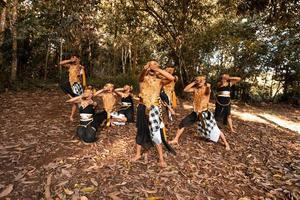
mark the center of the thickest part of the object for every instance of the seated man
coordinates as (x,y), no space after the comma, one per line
(89,119)
(205,119)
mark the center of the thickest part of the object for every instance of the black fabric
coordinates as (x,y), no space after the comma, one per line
(222,111)
(128,112)
(189,120)
(87,110)
(99,118)
(166,144)
(142,123)
(87,134)
(223,106)
(86,131)
(164,97)
(67,88)
(224,88)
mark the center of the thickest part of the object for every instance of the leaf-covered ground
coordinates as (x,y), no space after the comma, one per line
(41,159)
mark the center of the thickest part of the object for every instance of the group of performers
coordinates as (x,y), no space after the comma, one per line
(156,92)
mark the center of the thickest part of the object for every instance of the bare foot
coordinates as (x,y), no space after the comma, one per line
(175,142)
(233,131)
(71,118)
(227,148)
(135,158)
(162,164)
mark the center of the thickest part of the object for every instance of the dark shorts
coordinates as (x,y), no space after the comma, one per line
(86,131)
(189,120)
(223,110)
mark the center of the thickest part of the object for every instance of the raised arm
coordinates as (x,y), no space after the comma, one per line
(98,93)
(189,87)
(164,73)
(234,80)
(74,100)
(119,91)
(65,62)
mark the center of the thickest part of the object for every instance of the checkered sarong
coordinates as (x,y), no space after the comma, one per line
(77,89)
(207,123)
(155,124)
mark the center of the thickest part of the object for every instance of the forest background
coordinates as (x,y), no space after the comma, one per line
(257,40)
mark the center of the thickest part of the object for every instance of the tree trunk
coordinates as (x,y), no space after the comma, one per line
(134,59)
(14,63)
(2,29)
(60,57)
(46,64)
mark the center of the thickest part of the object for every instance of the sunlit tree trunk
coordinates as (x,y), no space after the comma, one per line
(14,64)
(134,59)
(2,29)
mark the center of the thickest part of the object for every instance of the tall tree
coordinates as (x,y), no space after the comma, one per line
(14,64)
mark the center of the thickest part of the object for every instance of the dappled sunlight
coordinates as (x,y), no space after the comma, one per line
(249,117)
(281,122)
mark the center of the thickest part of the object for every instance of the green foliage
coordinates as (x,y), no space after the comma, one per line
(240,37)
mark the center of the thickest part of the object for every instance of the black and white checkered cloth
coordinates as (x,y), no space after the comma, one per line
(77,89)
(155,124)
(209,123)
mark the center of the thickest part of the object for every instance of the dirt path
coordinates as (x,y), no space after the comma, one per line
(37,145)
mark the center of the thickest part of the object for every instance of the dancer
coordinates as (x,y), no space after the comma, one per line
(89,120)
(109,100)
(126,112)
(149,122)
(223,104)
(74,86)
(206,122)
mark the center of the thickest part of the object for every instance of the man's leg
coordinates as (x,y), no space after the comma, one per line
(162,162)
(138,153)
(225,141)
(73,111)
(229,119)
(178,134)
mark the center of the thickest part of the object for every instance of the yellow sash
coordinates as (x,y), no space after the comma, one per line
(174,99)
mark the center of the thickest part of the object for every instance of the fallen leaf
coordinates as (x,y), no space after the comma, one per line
(68,192)
(83,198)
(88,189)
(114,196)
(47,187)
(7,190)
(94,182)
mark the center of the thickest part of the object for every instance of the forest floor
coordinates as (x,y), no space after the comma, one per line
(40,157)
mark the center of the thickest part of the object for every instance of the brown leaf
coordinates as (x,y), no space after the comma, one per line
(7,190)
(47,187)
(114,196)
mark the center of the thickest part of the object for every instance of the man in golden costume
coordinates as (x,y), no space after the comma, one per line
(207,125)
(149,121)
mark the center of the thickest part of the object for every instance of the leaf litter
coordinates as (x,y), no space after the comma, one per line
(41,158)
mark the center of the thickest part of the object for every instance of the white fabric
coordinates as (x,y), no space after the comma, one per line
(85,116)
(155,124)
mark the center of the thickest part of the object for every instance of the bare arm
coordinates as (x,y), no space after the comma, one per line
(98,93)
(74,100)
(65,62)
(189,87)
(164,73)
(119,92)
(234,80)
